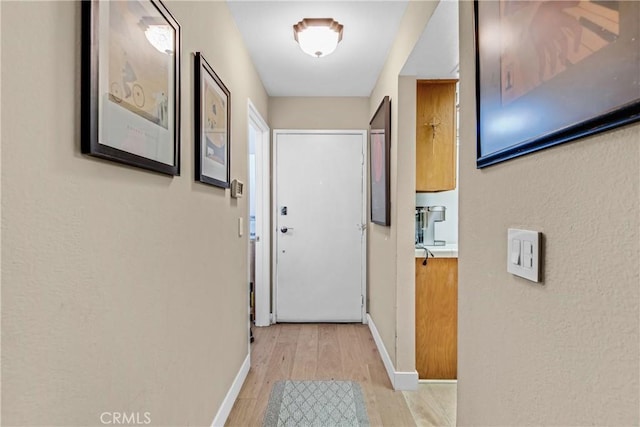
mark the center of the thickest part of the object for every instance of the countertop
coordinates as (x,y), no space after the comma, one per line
(449,250)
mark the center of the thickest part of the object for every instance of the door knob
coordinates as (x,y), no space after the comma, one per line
(285,229)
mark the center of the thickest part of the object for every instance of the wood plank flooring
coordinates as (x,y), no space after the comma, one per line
(318,352)
(433,404)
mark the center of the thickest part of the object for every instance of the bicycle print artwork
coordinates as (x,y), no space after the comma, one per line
(138,82)
(130,97)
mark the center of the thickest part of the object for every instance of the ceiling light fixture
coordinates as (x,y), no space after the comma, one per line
(318,36)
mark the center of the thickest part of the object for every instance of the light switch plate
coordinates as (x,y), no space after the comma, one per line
(523,253)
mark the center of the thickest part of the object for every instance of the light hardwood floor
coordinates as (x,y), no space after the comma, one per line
(318,352)
(433,404)
(340,352)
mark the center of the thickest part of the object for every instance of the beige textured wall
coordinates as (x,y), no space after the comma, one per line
(391,259)
(122,290)
(406,174)
(319,112)
(565,352)
(0,216)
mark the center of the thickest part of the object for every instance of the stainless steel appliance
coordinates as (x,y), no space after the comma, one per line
(426,218)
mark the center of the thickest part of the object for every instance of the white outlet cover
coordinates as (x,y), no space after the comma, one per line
(523,253)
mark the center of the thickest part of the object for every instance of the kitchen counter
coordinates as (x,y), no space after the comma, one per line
(449,250)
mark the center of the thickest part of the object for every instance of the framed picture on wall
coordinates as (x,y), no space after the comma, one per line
(549,72)
(131,84)
(212,126)
(379,163)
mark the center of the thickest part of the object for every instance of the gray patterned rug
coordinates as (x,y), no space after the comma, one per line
(316,403)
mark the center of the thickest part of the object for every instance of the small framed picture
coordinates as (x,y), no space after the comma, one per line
(379,163)
(131,84)
(212,126)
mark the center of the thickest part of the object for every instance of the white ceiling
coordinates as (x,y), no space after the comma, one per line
(436,55)
(352,70)
(370,27)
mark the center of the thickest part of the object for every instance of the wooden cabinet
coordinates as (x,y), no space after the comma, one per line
(437,318)
(435,135)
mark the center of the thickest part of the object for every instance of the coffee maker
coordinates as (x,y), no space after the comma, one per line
(426,218)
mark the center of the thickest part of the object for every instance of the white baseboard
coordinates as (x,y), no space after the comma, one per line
(400,380)
(382,350)
(232,394)
(407,381)
(438,381)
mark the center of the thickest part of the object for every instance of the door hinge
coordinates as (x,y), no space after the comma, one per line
(362,301)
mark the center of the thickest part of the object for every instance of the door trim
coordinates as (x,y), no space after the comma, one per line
(274,211)
(262,287)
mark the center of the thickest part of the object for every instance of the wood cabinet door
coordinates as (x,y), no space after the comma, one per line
(436,135)
(437,318)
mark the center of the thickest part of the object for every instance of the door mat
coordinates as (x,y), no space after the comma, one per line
(316,403)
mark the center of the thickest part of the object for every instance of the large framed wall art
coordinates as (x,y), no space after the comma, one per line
(548,72)
(379,163)
(212,126)
(131,84)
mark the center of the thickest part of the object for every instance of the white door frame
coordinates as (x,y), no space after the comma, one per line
(262,287)
(274,248)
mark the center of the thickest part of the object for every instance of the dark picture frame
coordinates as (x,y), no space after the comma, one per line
(379,164)
(552,72)
(212,126)
(130,101)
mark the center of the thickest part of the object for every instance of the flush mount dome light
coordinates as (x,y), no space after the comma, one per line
(318,36)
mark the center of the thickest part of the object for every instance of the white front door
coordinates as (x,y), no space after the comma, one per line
(319,212)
